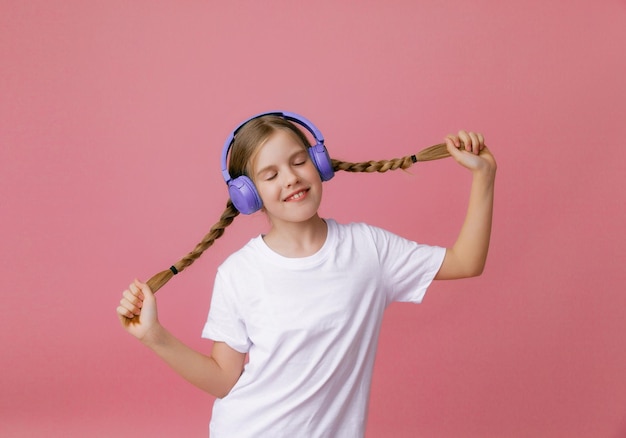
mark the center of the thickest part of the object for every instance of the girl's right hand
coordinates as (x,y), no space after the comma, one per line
(138,310)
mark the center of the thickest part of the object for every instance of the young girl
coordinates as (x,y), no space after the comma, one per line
(296,313)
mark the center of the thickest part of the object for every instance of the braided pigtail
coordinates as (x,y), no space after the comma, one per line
(158,280)
(249,138)
(435,152)
(432,153)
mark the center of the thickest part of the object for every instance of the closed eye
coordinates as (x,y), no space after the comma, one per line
(300,159)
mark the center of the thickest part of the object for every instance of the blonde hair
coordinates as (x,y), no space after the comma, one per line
(247,141)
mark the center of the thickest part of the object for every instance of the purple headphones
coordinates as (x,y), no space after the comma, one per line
(242,191)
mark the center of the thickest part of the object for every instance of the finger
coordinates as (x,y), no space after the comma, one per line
(130,306)
(132,298)
(475,142)
(454,148)
(124,312)
(465,140)
(454,140)
(143,288)
(136,290)
(481,139)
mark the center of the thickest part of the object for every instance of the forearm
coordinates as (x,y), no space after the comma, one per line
(472,244)
(200,370)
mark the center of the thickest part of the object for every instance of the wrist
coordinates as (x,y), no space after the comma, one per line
(486,173)
(154,336)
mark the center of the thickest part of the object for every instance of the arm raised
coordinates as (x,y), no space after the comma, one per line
(468,255)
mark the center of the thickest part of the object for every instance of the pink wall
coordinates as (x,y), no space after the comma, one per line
(112,116)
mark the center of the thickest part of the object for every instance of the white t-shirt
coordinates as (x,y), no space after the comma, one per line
(310,326)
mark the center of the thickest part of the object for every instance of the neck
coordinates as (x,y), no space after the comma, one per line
(301,239)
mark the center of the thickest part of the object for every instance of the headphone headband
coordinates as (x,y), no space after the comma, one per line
(293,117)
(242,191)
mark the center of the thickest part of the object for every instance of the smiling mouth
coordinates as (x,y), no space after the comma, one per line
(299,195)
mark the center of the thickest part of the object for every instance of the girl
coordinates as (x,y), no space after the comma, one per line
(296,313)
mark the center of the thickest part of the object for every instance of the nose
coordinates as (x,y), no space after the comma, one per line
(290,177)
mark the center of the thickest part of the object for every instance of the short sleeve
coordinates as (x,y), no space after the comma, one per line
(408,267)
(224,323)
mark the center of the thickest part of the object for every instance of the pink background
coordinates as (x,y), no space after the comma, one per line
(112,117)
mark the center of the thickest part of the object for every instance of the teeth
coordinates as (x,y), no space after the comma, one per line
(297,195)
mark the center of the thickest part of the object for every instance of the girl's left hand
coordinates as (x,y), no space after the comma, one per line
(469,150)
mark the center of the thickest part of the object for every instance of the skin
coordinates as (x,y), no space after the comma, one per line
(291,190)
(282,169)
(467,257)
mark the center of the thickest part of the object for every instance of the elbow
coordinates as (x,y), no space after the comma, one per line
(476,271)
(457,267)
(470,271)
(220,392)
(224,387)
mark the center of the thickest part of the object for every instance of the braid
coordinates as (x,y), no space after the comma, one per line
(373,166)
(249,145)
(217,230)
(432,153)
(435,152)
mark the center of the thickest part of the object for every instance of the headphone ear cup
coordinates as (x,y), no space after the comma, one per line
(244,195)
(321,159)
